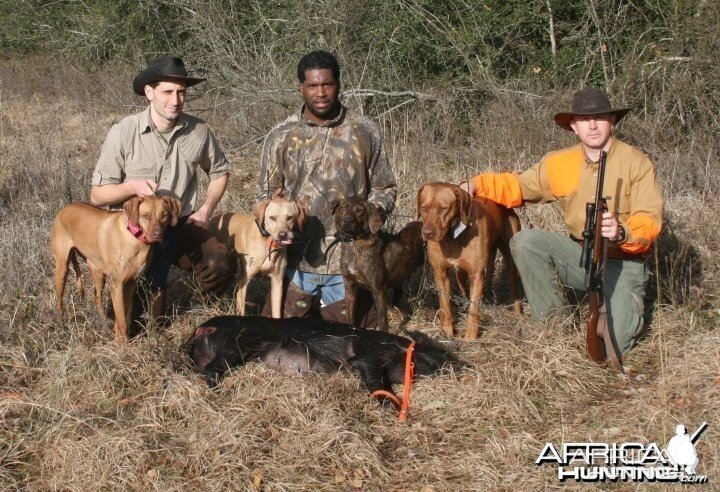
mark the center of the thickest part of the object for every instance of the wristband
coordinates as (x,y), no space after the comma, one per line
(622,236)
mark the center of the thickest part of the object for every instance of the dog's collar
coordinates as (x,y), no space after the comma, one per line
(342,237)
(262,230)
(137,232)
(457,228)
(272,244)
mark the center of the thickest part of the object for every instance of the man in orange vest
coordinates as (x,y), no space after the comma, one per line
(549,261)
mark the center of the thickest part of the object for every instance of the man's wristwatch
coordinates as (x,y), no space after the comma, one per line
(622,235)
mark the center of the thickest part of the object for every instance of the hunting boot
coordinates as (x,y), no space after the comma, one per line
(298,303)
(366,312)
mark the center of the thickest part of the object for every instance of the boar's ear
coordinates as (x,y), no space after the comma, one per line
(464,201)
(132,209)
(260,211)
(301,214)
(377,217)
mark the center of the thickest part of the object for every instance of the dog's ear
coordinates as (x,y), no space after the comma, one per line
(464,201)
(260,211)
(302,212)
(376,218)
(132,209)
(419,204)
(336,204)
(174,207)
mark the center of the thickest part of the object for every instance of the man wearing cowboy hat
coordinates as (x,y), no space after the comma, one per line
(546,260)
(159,151)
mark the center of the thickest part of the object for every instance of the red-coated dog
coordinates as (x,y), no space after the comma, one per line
(115,244)
(463,235)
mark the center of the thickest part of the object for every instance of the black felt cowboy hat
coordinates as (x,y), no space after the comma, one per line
(586,102)
(163,68)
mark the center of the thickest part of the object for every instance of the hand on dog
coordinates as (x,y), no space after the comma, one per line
(142,187)
(200,219)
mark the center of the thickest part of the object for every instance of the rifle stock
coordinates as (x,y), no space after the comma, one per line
(593,340)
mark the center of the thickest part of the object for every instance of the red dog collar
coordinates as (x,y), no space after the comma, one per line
(137,232)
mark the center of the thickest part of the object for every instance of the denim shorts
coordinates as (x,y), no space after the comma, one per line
(329,288)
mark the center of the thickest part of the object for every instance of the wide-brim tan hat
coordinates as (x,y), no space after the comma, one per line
(586,102)
(163,68)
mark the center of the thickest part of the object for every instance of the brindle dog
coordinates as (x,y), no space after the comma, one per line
(374,260)
(201,252)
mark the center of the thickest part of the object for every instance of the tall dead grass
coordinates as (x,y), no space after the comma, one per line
(78,412)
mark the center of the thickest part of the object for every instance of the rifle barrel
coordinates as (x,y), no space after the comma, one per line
(696,434)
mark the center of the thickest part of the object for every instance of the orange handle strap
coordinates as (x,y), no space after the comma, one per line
(404,404)
(407,383)
(390,396)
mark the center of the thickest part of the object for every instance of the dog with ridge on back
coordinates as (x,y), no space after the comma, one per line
(463,235)
(116,244)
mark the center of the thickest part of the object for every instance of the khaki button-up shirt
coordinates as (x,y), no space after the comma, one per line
(134,149)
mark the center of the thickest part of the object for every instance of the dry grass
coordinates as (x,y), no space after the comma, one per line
(79,412)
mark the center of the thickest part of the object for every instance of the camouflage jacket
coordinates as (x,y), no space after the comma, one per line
(321,165)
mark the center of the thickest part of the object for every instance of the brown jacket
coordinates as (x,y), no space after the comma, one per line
(566,176)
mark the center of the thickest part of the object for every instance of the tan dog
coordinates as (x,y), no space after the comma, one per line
(463,235)
(261,241)
(116,244)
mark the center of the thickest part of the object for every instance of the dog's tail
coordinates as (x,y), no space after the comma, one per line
(431,355)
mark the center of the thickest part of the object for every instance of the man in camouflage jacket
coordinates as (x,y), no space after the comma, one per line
(320,155)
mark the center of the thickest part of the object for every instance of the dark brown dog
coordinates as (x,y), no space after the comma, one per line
(115,244)
(371,259)
(212,263)
(297,346)
(463,234)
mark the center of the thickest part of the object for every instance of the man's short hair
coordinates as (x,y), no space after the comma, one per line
(318,60)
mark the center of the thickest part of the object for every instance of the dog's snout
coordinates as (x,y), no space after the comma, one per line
(156,235)
(283,235)
(428,233)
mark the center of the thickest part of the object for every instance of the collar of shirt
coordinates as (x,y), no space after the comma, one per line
(333,122)
(595,164)
(145,123)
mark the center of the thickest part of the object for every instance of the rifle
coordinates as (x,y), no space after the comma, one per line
(597,337)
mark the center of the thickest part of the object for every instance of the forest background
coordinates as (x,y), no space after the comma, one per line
(458,87)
